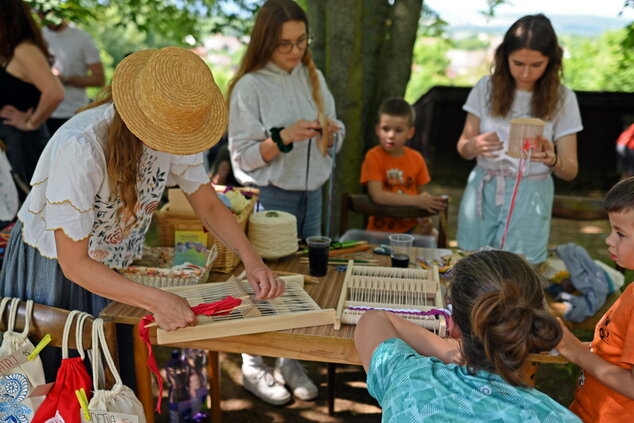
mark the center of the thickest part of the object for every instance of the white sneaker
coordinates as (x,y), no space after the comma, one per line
(259,380)
(293,374)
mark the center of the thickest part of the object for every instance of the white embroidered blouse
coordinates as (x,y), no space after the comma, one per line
(71,191)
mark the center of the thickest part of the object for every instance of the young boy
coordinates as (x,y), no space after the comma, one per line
(395,174)
(606,384)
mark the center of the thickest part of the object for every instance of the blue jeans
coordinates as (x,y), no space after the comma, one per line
(304,205)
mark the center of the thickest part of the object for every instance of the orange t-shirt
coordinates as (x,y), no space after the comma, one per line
(402,175)
(613,341)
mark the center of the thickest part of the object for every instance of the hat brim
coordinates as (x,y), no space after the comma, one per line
(201,134)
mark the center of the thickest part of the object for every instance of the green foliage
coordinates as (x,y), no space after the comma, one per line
(429,67)
(599,64)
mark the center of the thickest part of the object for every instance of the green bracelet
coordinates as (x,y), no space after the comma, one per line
(277,138)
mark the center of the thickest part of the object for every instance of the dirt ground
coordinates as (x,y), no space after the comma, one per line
(353,403)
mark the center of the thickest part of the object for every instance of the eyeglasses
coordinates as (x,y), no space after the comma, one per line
(302,44)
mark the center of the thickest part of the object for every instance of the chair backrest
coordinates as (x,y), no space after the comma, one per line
(51,320)
(363,204)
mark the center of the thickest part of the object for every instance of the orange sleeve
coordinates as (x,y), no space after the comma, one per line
(627,137)
(371,169)
(422,176)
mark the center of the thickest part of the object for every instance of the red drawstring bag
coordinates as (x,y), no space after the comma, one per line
(71,376)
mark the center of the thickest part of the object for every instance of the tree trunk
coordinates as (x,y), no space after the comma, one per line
(364,48)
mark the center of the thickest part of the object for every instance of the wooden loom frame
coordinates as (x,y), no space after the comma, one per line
(519,130)
(428,279)
(248,319)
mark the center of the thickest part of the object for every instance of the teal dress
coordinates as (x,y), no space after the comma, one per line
(413,388)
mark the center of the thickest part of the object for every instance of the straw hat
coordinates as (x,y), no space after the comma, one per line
(169,100)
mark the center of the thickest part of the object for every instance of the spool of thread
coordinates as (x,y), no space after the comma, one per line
(523,130)
(273,233)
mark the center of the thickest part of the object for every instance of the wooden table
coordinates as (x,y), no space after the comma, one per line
(319,343)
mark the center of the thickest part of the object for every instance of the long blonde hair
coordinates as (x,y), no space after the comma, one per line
(264,38)
(123,154)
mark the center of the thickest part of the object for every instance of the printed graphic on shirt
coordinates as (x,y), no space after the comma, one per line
(604,330)
(395,181)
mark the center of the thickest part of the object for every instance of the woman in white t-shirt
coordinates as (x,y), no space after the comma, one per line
(101,177)
(525,82)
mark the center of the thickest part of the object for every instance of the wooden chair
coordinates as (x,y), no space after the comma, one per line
(363,204)
(51,320)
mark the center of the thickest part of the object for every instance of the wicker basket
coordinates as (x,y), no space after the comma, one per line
(168,223)
(154,269)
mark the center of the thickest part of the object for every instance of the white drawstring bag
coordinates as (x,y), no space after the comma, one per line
(17,384)
(119,399)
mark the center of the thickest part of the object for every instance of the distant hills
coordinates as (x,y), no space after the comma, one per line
(589,26)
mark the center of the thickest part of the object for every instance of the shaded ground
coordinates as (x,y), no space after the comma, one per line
(353,403)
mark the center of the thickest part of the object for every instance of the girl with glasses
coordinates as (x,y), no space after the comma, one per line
(280,115)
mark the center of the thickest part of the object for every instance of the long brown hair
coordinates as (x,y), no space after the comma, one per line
(533,32)
(498,304)
(123,154)
(264,38)
(17,26)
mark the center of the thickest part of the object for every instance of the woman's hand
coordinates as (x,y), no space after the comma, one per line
(486,145)
(173,312)
(266,284)
(16,118)
(545,152)
(300,131)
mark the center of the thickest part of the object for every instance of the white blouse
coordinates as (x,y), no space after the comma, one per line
(71,191)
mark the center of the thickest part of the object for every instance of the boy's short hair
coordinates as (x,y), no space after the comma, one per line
(396,106)
(620,197)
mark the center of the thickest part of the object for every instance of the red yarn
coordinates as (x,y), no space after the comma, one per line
(221,307)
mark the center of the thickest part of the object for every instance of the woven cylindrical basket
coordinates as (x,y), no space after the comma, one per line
(168,223)
(155,269)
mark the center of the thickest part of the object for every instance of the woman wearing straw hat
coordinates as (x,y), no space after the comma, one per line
(100,179)
(283,136)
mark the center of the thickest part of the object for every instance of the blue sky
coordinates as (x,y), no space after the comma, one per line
(458,12)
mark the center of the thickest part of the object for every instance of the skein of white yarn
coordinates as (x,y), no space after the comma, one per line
(273,233)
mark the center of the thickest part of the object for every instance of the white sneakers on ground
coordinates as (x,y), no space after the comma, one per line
(259,380)
(267,385)
(292,373)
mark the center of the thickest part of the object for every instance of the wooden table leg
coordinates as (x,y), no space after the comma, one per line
(332,373)
(143,377)
(213,375)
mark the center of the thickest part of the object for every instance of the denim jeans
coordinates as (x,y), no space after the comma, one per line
(304,205)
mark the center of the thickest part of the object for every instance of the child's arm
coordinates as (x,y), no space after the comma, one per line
(614,377)
(424,200)
(376,326)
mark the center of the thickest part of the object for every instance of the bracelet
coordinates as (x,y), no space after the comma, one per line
(277,138)
(556,160)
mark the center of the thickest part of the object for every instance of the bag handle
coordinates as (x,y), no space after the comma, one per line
(3,305)
(28,314)
(79,333)
(67,326)
(13,312)
(99,339)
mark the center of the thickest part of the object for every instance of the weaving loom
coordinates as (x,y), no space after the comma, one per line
(407,292)
(294,309)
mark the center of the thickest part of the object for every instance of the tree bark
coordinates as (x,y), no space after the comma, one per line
(364,48)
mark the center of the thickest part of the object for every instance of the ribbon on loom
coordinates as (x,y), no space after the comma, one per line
(217,308)
(431,312)
(529,145)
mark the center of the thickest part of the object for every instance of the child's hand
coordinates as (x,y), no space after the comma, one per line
(431,203)
(486,144)
(569,343)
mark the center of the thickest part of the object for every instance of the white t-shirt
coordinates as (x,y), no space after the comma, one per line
(71,191)
(74,51)
(567,121)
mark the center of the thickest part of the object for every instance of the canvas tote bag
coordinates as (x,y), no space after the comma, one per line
(119,399)
(59,405)
(17,384)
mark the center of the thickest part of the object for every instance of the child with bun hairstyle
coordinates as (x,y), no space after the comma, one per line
(499,319)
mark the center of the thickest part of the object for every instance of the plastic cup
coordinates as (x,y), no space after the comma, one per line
(318,248)
(400,249)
